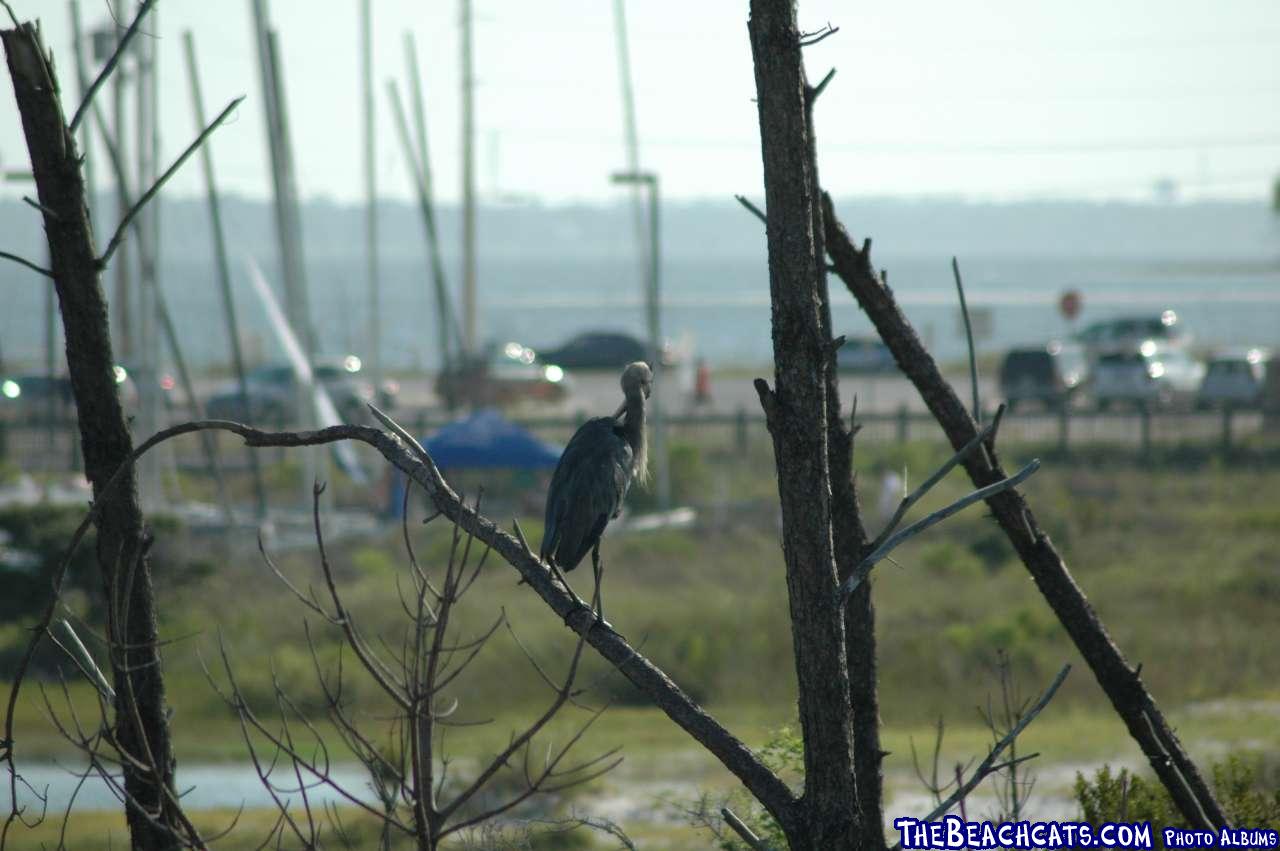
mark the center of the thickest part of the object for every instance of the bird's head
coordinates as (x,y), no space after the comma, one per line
(637,379)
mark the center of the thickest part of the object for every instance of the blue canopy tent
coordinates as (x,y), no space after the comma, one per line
(484,440)
(488,440)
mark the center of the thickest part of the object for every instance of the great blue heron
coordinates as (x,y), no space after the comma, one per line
(604,456)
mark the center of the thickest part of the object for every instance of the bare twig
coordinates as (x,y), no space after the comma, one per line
(933,783)
(121,46)
(123,226)
(812,38)
(740,828)
(80,655)
(990,764)
(22,261)
(36,205)
(515,522)
(753,209)
(822,85)
(938,475)
(968,333)
(864,567)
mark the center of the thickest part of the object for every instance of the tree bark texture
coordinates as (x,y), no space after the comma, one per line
(797,411)
(1121,682)
(141,724)
(851,546)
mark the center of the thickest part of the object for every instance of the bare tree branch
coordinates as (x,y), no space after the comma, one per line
(987,434)
(817,90)
(812,38)
(864,567)
(133,211)
(968,334)
(740,828)
(990,764)
(107,69)
(753,209)
(22,261)
(1121,682)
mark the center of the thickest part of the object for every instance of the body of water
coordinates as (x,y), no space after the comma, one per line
(719,305)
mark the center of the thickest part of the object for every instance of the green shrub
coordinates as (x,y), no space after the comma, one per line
(37,538)
(783,755)
(1019,632)
(1246,785)
(949,559)
(689,476)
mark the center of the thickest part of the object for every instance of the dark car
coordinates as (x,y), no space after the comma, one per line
(599,350)
(273,393)
(27,397)
(1047,374)
(1234,380)
(865,354)
(503,374)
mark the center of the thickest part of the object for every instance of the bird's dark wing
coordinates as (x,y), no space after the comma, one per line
(586,492)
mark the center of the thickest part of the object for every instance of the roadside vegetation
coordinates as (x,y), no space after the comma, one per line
(1176,552)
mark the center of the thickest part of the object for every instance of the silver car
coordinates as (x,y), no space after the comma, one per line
(1234,379)
(1152,376)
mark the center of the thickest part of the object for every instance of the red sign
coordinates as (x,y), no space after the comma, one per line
(1070,303)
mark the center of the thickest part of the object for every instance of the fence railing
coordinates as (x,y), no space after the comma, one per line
(53,445)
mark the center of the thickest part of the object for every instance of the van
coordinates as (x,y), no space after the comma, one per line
(1050,374)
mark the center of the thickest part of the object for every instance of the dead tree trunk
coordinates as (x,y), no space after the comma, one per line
(797,412)
(1118,679)
(849,537)
(141,724)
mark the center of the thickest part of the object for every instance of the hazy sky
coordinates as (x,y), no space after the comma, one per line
(989,99)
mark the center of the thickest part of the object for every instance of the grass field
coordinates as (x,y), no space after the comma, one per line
(1178,557)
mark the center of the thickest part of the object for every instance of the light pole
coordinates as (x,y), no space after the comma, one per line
(652,302)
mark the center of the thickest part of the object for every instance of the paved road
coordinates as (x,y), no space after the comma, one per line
(595,393)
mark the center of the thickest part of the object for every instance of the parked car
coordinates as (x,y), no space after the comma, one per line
(1234,379)
(273,393)
(504,374)
(1127,333)
(1150,376)
(1050,375)
(132,377)
(865,355)
(601,350)
(31,397)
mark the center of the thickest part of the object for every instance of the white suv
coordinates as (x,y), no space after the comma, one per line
(1151,376)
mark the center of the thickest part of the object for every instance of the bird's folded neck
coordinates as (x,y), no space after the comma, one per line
(633,432)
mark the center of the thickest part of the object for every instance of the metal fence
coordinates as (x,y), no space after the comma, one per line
(54,445)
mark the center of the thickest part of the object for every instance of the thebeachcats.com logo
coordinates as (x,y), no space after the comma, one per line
(952,833)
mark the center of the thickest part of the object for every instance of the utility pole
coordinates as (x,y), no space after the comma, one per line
(147,356)
(371,197)
(222,264)
(82,75)
(447,329)
(629,127)
(653,303)
(103,48)
(284,179)
(469,326)
(288,220)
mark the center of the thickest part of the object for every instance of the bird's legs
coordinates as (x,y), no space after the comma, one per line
(559,574)
(598,569)
(564,580)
